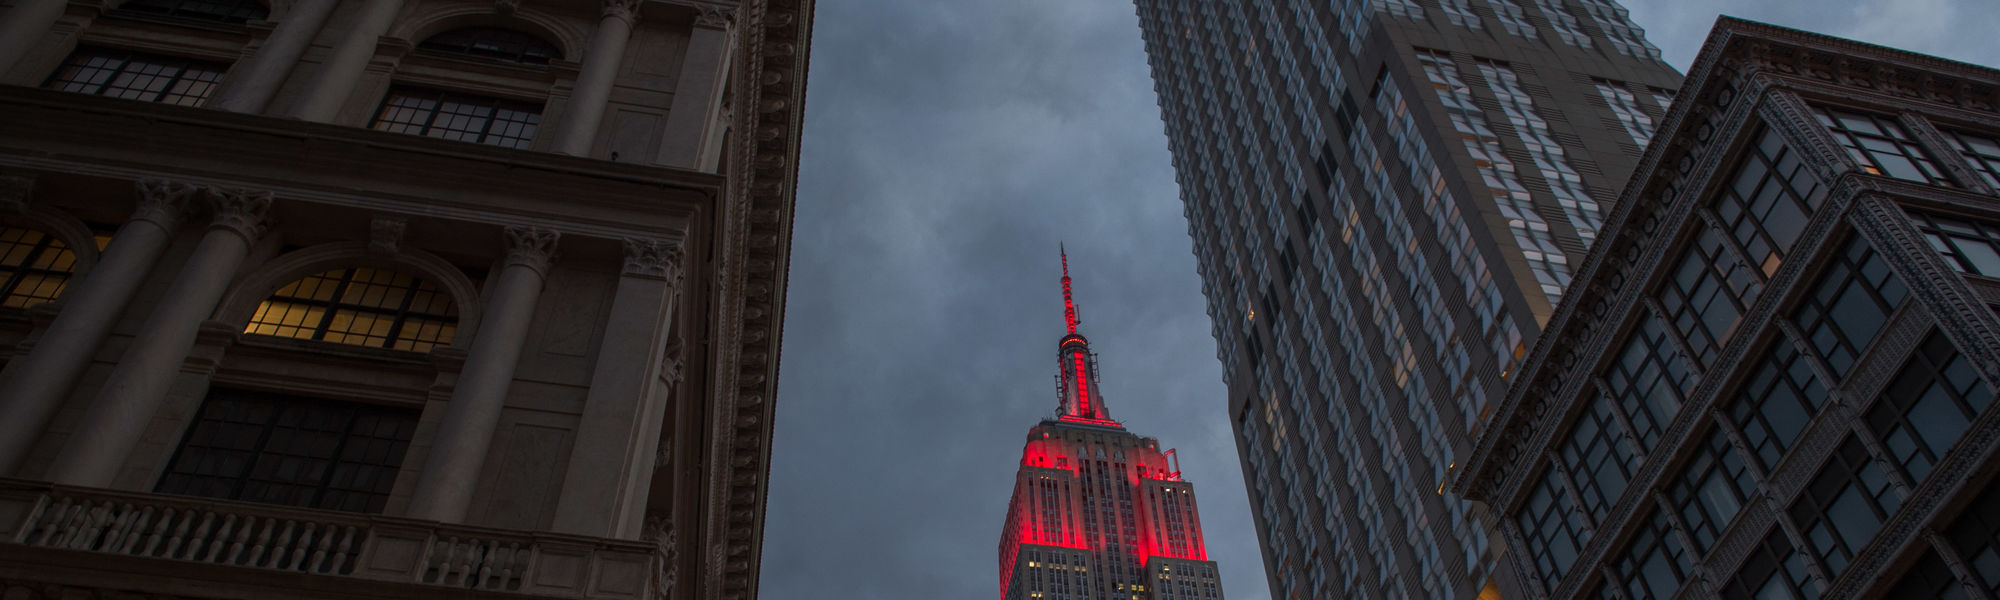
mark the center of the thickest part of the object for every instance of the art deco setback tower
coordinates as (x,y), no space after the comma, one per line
(1098,512)
(392,298)
(1387,198)
(1821,424)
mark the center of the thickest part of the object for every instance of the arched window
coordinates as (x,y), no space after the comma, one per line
(34,267)
(224,11)
(505,45)
(360,306)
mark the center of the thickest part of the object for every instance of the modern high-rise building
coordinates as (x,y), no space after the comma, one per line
(392,298)
(1387,199)
(1774,377)
(1098,512)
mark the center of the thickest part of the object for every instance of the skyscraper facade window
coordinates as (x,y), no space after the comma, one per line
(1387,199)
(1099,513)
(392,299)
(1816,246)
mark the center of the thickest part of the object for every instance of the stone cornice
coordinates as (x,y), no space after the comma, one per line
(772,37)
(347,166)
(1737,60)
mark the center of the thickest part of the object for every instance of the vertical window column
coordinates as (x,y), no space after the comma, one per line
(458,454)
(90,307)
(110,428)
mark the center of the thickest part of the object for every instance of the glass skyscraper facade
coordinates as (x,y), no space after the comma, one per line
(1387,199)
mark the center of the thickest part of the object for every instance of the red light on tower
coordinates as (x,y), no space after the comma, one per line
(1071,469)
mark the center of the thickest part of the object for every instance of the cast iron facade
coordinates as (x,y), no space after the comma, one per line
(1387,198)
(1774,378)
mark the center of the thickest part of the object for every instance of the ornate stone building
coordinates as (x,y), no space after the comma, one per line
(380,298)
(1774,376)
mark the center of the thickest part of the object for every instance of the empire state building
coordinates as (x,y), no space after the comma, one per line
(1098,512)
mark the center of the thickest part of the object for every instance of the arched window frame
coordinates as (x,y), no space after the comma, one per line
(425,78)
(240,304)
(76,236)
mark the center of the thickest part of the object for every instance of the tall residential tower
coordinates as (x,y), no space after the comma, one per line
(1099,513)
(1387,199)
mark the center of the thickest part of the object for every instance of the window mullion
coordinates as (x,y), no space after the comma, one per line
(257,450)
(332,305)
(1742,446)
(1968,580)
(1691,360)
(1947,158)
(1887,462)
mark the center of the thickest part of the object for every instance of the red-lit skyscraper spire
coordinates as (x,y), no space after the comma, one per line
(1099,513)
(1080,400)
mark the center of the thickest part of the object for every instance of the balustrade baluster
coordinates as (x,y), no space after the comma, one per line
(257,546)
(219,542)
(160,527)
(115,533)
(142,519)
(513,560)
(78,516)
(342,562)
(199,537)
(237,542)
(305,546)
(484,577)
(279,546)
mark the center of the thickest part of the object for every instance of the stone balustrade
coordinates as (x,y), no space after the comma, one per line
(282,538)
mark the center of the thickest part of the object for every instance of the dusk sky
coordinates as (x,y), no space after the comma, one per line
(950,146)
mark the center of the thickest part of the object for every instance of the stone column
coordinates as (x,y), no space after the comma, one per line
(89,308)
(25,26)
(115,420)
(257,78)
(331,86)
(691,120)
(458,453)
(611,465)
(593,86)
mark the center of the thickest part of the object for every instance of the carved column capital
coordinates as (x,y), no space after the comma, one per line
(506,7)
(714,17)
(385,234)
(654,258)
(14,193)
(531,247)
(163,202)
(628,10)
(675,362)
(241,211)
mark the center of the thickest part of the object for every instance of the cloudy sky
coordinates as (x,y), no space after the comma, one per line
(950,145)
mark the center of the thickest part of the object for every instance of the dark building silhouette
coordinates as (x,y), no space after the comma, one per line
(1774,375)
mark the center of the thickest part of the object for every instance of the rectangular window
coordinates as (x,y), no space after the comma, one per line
(290,450)
(1968,246)
(1555,528)
(1773,571)
(1929,578)
(1843,507)
(1655,562)
(1983,151)
(1708,293)
(1976,536)
(1927,406)
(1777,402)
(1768,201)
(1625,106)
(1600,455)
(1849,304)
(137,76)
(1648,381)
(463,117)
(1711,489)
(1881,145)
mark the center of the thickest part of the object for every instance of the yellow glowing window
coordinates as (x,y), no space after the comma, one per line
(361,306)
(34,267)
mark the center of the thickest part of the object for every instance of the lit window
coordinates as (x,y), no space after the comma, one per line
(36,267)
(1881,145)
(462,117)
(137,76)
(364,307)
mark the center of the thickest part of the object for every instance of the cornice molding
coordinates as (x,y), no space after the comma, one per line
(751,262)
